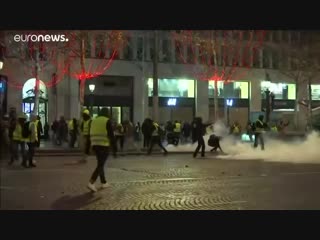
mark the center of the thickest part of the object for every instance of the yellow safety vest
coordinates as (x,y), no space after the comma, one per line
(70,125)
(156,131)
(29,140)
(86,124)
(177,128)
(17,134)
(236,129)
(274,129)
(259,130)
(98,132)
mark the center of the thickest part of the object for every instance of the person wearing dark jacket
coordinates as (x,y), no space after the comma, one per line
(199,132)
(156,138)
(260,127)
(146,131)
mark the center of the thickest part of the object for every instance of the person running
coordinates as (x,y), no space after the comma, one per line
(199,132)
(101,137)
(156,138)
(259,132)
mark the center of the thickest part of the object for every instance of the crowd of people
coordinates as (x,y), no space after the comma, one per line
(102,136)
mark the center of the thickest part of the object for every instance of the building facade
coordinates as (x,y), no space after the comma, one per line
(126,87)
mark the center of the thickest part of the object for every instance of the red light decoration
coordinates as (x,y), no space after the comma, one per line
(103,42)
(220,52)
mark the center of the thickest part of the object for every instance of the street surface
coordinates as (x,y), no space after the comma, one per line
(157,182)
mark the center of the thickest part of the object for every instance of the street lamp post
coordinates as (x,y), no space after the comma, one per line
(91,88)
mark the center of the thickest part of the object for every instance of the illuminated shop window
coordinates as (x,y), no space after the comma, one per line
(236,89)
(173,88)
(284,91)
(315,92)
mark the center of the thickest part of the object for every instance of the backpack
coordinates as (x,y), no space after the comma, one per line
(26,130)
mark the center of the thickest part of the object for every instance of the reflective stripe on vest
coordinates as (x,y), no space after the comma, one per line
(177,128)
(17,133)
(98,132)
(85,130)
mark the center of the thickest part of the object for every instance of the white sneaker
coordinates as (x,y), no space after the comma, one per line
(105,185)
(92,187)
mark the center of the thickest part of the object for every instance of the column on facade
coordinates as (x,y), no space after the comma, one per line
(202,100)
(240,56)
(134,46)
(255,100)
(270,60)
(261,58)
(161,49)
(92,44)
(173,51)
(196,58)
(302,111)
(140,95)
(147,47)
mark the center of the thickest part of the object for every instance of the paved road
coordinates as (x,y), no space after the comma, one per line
(162,183)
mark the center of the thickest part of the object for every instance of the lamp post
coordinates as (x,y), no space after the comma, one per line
(91,88)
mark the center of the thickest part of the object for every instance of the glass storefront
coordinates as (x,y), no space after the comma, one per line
(315,92)
(173,88)
(283,91)
(237,89)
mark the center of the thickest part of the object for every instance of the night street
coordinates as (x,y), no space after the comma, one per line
(174,182)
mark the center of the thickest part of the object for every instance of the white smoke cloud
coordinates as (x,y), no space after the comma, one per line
(298,151)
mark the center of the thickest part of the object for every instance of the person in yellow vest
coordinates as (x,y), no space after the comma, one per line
(30,136)
(259,131)
(84,128)
(17,140)
(177,129)
(156,138)
(73,131)
(236,129)
(101,137)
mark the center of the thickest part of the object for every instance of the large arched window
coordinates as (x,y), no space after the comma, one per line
(28,94)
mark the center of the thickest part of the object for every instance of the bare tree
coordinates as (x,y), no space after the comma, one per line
(299,62)
(217,54)
(107,45)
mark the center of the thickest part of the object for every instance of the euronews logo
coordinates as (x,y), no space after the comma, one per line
(40,38)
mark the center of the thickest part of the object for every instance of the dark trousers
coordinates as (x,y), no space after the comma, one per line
(156,140)
(102,156)
(121,140)
(73,139)
(258,137)
(87,144)
(14,147)
(217,145)
(201,145)
(29,154)
(146,141)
